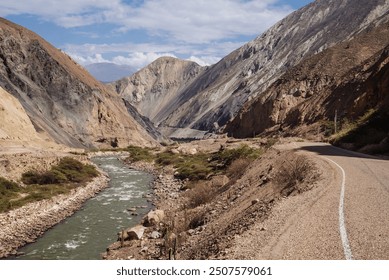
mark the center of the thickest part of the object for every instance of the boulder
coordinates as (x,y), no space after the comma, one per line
(153,218)
(155,235)
(134,233)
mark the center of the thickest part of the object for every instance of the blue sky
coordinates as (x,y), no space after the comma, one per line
(136,32)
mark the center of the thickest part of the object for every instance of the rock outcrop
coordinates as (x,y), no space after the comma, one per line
(347,79)
(61,99)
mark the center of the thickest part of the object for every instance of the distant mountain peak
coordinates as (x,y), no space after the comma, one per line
(216,93)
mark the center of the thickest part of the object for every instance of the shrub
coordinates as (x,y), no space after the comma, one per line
(8,191)
(7,186)
(139,154)
(199,195)
(168,158)
(68,170)
(237,168)
(43,185)
(292,173)
(227,156)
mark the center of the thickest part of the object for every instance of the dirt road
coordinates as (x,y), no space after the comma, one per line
(346,217)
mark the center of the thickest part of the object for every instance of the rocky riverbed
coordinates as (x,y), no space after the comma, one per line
(146,240)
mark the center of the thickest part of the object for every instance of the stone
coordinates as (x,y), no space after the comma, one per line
(133,209)
(155,235)
(134,233)
(153,218)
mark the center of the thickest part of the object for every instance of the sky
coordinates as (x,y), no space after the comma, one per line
(136,32)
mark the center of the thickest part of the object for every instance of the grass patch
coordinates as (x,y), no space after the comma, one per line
(68,170)
(8,191)
(369,130)
(60,179)
(194,167)
(200,166)
(140,154)
(348,127)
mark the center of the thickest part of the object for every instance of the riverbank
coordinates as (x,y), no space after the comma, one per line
(24,225)
(204,219)
(165,197)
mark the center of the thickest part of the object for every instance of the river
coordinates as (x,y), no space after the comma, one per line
(86,234)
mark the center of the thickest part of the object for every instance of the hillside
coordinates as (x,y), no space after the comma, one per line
(15,125)
(348,79)
(157,89)
(61,99)
(215,95)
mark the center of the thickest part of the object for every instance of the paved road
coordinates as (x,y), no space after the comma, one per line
(364,218)
(321,223)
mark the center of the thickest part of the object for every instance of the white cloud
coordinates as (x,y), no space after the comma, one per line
(139,55)
(138,59)
(69,13)
(179,49)
(200,21)
(204,60)
(97,58)
(203,21)
(202,31)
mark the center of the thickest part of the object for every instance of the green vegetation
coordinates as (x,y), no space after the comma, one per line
(139,154)
(367,133)
(194,167)
(68,170)
(8,191)
(61,178)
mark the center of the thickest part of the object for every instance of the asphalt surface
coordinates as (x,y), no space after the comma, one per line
(345,217)
(366,199)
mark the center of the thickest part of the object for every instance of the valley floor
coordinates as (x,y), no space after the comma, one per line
(286,205)
(298,200)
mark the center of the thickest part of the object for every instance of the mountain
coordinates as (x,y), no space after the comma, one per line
(15,125)
(109,72)
(215,94)
(60,98)
(157,89)
(348,80)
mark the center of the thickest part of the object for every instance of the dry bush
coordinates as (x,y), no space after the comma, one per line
(237,168)
(292,173)
(199,195)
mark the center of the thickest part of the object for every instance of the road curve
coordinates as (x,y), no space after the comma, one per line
(366,199)
(345,217)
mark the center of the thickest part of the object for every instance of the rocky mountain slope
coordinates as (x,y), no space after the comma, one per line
(348,79)
(15,125)
(60,98)
(157,89)
(212,98)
